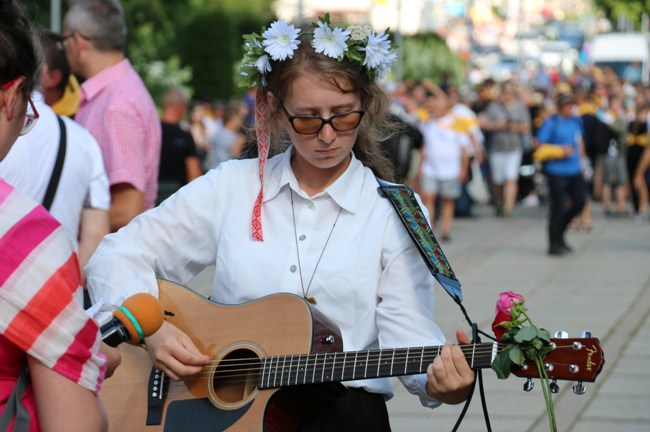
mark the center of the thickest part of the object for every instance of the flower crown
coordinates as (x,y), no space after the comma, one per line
(278,42)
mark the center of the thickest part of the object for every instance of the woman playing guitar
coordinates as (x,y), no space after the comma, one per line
(319,228)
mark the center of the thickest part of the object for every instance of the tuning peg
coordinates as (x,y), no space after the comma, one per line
(585,334)
(554,387)
(528,385)
(579,389)
(561,334)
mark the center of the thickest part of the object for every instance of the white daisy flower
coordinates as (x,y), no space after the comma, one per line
(331,42)
(263,64)
(384,67)
(377,48)
(281,40)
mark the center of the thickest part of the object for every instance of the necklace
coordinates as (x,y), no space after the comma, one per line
(311,300)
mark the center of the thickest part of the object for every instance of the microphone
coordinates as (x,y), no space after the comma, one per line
(139,316)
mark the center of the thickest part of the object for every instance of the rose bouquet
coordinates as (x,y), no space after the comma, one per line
(522,341)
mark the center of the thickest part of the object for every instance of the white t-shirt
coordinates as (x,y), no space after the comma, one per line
(83,183)
(466,121)
(443,148)
(371,281)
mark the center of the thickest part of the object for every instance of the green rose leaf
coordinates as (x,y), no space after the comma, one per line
(544,351)
(502,364)
(516,355)
(544,335)
(526,334)
(531,353)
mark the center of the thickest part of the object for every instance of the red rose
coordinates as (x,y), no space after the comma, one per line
(497,328)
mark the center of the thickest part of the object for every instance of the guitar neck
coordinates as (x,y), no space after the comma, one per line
(286,370)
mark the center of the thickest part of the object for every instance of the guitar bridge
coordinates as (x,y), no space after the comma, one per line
(156,392)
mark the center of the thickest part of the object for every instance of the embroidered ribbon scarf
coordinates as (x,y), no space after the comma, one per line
(263,132)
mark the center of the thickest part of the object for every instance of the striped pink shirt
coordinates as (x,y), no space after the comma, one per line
(119,112)
(39,273)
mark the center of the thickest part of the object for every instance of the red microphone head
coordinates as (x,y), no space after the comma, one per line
(141,314)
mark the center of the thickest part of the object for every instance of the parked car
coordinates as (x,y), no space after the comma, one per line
(567,32)
(505,69)
(553,53)
(619,50)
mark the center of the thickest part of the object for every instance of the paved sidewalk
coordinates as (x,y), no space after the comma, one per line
(604,287)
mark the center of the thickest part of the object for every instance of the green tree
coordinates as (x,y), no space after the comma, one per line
(428,56)
(632,9)
(151,46)
(192,44)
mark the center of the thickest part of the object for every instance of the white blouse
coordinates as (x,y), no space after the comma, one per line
(371,280)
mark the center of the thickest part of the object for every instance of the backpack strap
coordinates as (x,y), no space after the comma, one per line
(410,213)
(58,167)
(15,408)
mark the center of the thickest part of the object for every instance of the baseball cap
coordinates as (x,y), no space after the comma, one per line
(564,98)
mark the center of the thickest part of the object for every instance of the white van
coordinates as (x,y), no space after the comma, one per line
(618,50)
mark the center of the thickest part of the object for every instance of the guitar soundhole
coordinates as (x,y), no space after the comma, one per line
(236,377)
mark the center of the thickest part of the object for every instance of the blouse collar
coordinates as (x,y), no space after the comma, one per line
(345,191)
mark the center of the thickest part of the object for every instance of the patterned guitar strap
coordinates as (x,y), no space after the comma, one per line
(409,211)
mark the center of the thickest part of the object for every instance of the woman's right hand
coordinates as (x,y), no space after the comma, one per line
(173,352)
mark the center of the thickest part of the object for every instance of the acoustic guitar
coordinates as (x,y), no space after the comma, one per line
(273,360)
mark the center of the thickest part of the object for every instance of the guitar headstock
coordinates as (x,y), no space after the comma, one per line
(579,359)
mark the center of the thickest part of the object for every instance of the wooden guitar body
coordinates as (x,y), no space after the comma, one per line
(220,399)
(274,361)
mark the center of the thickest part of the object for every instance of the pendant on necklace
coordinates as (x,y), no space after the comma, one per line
(311,300)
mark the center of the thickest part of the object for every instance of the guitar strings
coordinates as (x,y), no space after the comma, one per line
(252,379)
(346,356)
(252,368)
(248,379)
(234,377)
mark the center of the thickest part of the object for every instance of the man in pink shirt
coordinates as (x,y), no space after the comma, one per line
(115,105)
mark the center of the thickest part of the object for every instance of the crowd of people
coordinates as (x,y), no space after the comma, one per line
(512,130)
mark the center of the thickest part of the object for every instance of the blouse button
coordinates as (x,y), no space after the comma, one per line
(293,269)
(302,237)
(310,204)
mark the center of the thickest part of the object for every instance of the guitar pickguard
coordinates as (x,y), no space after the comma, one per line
(200,415)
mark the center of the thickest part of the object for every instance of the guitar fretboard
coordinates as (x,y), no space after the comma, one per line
(296,369)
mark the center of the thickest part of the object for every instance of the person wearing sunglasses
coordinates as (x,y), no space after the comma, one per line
(50,365)
(308,221)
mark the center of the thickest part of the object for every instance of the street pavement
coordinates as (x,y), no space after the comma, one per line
(602,287)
